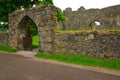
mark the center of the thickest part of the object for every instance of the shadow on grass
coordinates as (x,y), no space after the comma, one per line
(34,46)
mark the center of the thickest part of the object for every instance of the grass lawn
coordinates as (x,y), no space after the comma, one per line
(35,41)
(78,59)
(82,60)
(7,48)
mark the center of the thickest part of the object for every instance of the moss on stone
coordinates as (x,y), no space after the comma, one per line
(4,33)
(109,32)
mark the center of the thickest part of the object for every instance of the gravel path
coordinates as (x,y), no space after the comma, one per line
(27,53)
(22,65)
(30,54)
(17,67)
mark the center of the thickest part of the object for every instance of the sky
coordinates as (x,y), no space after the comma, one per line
(75,4)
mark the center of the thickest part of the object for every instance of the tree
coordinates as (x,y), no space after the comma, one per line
(33,28)
(46,2)
(8,6)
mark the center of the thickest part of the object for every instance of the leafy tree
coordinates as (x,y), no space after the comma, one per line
(8,6)
(33,28)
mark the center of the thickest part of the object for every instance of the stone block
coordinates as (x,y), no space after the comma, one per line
(48,39)
(48,28)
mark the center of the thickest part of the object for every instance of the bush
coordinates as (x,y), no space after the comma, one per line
(60,15)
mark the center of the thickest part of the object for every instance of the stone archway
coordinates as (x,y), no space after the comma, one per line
(45,18)
(25,38)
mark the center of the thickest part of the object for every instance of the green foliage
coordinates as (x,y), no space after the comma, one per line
(33,28)
(8,6)
(46,2)
(60,15)
(3,28)
(84,60)
(7,48)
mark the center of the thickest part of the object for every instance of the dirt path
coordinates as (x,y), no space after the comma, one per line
(27,53)
(16,67)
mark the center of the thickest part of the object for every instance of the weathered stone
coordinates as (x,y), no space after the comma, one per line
(105,46)
(48,17)
(4,38)
(48,39)
(83,19)
(47,28)
(89,37)
(19,24)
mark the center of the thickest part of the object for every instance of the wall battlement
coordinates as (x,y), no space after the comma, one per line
(83,19)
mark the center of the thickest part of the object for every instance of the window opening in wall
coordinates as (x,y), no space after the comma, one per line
(95,25)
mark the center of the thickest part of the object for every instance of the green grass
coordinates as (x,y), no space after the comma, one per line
(82,60)
(5,48)
(78,59)
(35,41)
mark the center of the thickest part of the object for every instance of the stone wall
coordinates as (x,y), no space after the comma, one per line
(44,17)
(91,44)
(50,41)
(4,38)
(83,19)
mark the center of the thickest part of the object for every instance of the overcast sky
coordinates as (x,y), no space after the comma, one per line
(75,4)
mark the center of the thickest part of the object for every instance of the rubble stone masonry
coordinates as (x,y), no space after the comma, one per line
(4,38)
(95,43)
(92,44)
(83,19)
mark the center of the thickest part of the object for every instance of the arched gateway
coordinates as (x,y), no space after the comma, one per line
(44,17)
